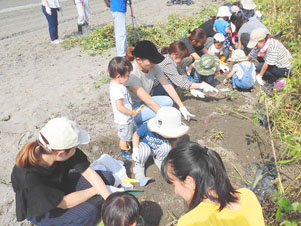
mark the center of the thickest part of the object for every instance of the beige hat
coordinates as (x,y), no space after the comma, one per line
(248,4)
(223,11)
(238,55)
(62,133)
(167,123)
(256,35)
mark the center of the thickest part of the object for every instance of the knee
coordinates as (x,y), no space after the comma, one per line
(166,101)
(258,67)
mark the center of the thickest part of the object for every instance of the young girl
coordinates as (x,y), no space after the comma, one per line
(221,25)
(198,175)
(119,69)
(174,55)
(275,56)
(47,193)
(121,209)
(141,83)
(243,74)
(236,19)
(156,137)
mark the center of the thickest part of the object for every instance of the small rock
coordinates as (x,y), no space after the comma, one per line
(4,117)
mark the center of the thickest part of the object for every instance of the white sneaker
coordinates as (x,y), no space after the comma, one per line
(139,172)
(56,41)
(158,163)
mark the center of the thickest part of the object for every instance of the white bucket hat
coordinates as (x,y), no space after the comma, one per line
(62,133)
(167,123)
(219,37)
(238,55)
(248,4)
(256,35)
(223,11)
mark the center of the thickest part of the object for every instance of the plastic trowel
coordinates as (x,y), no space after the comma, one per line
(142,182)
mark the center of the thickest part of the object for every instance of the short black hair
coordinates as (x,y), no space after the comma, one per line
(120,209)
(207,170)
(119,65)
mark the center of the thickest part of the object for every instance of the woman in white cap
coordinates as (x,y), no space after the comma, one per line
(198,175)
(47,193)
(275,55)
(156,138)
(146,75)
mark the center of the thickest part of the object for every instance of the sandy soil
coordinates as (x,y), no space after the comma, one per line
(40,81)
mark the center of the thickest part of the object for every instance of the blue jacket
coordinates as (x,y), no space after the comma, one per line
(118,6)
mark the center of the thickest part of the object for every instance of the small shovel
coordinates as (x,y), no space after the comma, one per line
(142,182)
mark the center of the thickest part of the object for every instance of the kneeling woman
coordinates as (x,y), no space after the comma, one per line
(198,175)
(46,192)
(142,81)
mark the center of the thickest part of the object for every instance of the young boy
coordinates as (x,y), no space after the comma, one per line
(157,137)
(119,69)
(218,47)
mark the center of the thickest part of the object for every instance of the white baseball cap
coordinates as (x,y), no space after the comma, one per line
(62,133)
(223,11)
(219,37)
(167,123)
(248,4)
(256,35)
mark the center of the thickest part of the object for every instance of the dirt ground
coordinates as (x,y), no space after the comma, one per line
(40,81)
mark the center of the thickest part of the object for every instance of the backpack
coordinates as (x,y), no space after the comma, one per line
(246,81)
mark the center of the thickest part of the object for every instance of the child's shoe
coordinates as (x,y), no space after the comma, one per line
(279,83)
(139,172)
(126,153)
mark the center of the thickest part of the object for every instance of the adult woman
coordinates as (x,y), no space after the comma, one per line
(174,55)
(198,175)
(275,56)
(46,192)
(141,83)
(50,9)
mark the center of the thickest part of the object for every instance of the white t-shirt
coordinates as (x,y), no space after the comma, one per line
(216,51)
(117,92)
(146,80)
(246,64)
(52,3)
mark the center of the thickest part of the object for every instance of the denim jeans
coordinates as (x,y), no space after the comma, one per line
(201,78)
(120,32)
(147,113)
(273,72)
(52,23)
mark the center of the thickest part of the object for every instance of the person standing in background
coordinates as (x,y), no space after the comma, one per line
(50,8)
(118,8)
(83,11)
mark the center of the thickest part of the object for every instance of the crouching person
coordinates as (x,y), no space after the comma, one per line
(157,137)
(47,193)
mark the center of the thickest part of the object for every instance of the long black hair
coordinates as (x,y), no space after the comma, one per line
(207,170)
(120,209)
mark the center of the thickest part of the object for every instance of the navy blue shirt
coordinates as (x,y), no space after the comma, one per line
(118,6)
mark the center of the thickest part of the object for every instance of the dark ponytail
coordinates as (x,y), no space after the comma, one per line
(207,170)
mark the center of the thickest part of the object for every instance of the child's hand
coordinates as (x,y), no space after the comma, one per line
(221,53)
(134,114)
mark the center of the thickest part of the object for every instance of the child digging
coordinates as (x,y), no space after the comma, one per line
(243,73)
(157,137)
(119,69)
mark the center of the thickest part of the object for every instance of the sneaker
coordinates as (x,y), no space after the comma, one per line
(139,172)
(158,162)
(56,41)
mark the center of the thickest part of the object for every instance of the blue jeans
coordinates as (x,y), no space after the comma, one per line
(201,78)
(273,72)
(52,23)
(120,32)
(86,213)
(147,113)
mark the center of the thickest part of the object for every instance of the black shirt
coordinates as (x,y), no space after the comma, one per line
(39,190)
(191,48)
(208,28)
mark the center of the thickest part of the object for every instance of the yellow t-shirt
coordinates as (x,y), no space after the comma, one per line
(207,214)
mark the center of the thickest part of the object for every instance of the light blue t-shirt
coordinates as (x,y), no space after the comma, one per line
(118,6)
(153,140)
(220,26)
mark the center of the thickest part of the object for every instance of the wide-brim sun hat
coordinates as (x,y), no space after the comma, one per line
(248,4)
(256,35)
(167,123)
(223,11)
(238,55)
(62,133)
(147,50)
(206,65)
